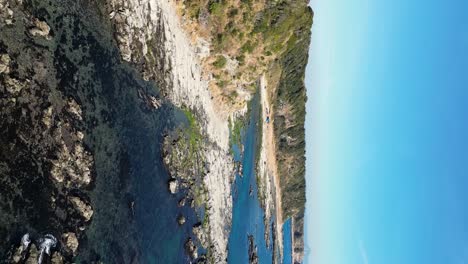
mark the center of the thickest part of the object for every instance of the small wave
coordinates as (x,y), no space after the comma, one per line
(46,243)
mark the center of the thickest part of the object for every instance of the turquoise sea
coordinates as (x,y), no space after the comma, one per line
(248,215)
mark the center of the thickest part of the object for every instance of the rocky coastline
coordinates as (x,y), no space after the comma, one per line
(60,129)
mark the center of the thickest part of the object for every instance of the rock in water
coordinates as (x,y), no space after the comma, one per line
(253,257)
(85,210)
(4,63)
(181,220)
(41,29)
(57,258)
(173,185)
(181,202)
(70,242)
(191,248)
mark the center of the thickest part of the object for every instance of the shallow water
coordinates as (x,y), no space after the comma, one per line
(287,242)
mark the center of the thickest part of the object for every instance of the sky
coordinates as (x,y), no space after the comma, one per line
(387,132)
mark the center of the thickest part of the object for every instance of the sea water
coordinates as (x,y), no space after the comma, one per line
(248,215)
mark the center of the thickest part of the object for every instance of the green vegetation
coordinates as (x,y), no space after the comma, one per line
(248,47)
(282,23)
(235,129)
(193,132)
(290,108)
(220,62)
(217,8)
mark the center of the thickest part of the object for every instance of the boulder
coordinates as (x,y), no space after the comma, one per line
(85,210)
(4,63)
(40,28)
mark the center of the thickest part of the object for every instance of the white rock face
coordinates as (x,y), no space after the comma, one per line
(173,186)
(138,22)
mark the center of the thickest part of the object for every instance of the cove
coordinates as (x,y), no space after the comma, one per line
(248,215)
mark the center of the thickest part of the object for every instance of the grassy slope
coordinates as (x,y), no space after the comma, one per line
(287,74)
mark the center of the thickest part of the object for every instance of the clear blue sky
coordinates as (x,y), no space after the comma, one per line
(387,132)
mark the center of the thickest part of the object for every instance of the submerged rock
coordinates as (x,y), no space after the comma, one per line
(182,202)
(181,220)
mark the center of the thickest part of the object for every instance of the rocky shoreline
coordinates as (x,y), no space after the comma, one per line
(151,37)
